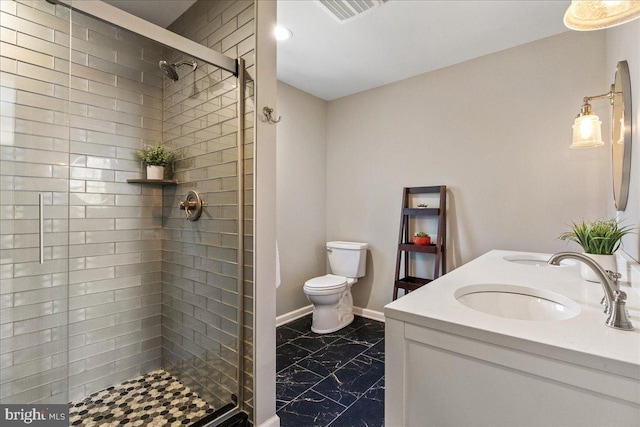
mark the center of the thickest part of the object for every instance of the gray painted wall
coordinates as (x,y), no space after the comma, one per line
(496,130)
(301,175)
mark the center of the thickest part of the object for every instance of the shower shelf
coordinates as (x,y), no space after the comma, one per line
(162,182)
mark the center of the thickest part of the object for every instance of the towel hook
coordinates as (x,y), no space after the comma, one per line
(268,111)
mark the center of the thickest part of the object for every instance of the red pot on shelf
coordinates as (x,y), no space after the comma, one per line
(421,241)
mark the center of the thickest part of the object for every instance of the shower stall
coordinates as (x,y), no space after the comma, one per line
(110,299)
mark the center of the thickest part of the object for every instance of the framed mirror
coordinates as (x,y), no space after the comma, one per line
(621,135)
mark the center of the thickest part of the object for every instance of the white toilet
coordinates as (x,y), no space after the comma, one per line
(331,294)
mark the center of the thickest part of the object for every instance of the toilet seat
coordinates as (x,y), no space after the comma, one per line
(327,284)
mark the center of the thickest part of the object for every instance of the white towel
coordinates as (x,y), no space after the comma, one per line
(277,266)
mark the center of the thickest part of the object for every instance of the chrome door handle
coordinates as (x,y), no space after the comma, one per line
(41,226)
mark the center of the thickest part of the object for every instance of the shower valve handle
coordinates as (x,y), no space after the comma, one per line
(192,206)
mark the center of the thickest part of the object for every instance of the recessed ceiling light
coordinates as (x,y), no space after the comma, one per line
(282,33)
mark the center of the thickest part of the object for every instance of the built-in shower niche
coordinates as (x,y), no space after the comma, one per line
(128,290)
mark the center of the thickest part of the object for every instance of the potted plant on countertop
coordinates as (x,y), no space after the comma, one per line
(599,240)
(157,158)
(421,239)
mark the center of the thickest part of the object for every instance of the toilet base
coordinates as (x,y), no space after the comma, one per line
(346,321)
(332,310)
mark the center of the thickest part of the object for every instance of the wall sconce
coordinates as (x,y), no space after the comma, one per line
(587,131)
(587,127)
(587,15)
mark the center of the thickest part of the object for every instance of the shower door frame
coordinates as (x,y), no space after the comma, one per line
(122,19)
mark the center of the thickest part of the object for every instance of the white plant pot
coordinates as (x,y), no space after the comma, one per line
(607,262)
(155,172)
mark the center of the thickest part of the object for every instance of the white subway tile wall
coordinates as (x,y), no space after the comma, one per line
(34,158)
(115,288)
(128,284)
(77,102)
(200,299)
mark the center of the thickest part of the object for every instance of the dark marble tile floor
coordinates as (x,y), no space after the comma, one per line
(334,379)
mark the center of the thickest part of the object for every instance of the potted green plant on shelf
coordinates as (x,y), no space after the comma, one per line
(421,239)
(157,158)
(599,240)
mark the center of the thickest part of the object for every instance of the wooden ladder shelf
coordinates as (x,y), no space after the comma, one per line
(403,279)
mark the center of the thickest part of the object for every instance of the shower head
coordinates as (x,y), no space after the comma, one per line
(170,70)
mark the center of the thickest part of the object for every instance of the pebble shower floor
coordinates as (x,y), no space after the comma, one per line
(151,400)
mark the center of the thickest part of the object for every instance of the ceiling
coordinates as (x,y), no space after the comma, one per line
(400,39)
(160,12)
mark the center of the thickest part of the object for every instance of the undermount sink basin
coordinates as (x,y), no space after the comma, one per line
(535,260)
(517,302)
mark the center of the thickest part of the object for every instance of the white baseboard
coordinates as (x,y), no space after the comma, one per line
(369,314)
(293,315)
(271,422)
(301,312)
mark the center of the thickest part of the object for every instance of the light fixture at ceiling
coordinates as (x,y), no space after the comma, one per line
(587,15)
(282,33)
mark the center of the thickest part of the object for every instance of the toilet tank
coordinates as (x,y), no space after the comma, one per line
(347,259)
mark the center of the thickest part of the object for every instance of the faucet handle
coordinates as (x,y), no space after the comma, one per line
(619,318)
(613,275)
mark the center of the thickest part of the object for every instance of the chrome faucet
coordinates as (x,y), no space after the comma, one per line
(614,299)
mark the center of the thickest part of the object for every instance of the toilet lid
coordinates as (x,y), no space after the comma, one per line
(326,282)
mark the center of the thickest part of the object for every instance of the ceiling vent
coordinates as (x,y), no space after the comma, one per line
(344,11)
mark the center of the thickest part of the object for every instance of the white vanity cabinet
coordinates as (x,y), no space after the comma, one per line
(449,365)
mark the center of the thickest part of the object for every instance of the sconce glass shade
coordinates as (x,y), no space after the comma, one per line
(587,15)
(587,132)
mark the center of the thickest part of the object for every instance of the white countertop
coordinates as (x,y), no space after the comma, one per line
(583,340)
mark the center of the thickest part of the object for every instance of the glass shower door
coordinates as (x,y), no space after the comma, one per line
(103,282)
(34,200)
